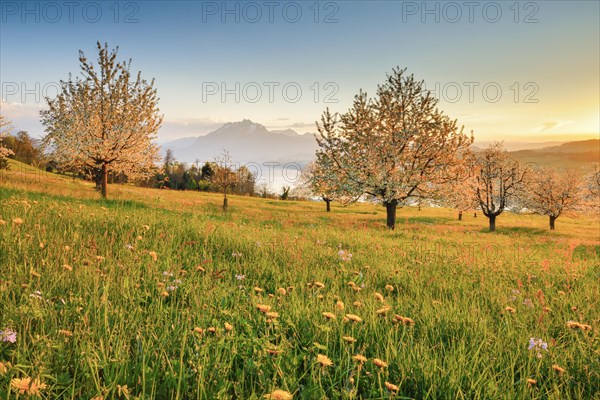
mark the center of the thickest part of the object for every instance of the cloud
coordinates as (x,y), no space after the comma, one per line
(551,125)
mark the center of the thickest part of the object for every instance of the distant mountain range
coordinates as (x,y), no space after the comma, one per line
(246,142)
(249,142)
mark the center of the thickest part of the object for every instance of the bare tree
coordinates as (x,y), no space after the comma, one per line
(552,193)
(393,147)
(224,176)
(5,129)
(498,180)
(104,121)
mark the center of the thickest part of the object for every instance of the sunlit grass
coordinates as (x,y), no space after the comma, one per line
(154,294)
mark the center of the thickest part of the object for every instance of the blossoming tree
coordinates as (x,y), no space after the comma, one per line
(4,130)
(394,147)
(104,121)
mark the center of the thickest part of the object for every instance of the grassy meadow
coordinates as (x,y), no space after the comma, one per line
(160,295)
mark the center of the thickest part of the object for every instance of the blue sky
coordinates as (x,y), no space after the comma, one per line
(507,70)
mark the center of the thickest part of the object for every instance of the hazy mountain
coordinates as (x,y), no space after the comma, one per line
(247,142)
(570,154)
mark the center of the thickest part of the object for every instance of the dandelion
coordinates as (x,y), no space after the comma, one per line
(2,222)
(281,291)
(356,288)
(67,267)
(379,297)
(279,395)
(389,288)
(328,315)
(258,290)
(17,221)
(354,317)
(558,369)
(164,293)
(228,327)
(319,285)
(349,339)
(404,320)
(153,255)
(538,345)
(272,314)
(351,284)
(339,305)
(509,310)
(8,335)
(200,268)
(263,307)
(324,360)
(531,382)
(391,387)
(380,363)
(382,311)
(198,330)
(212,329)
(357,304)
(27,385)
(359,358)
(3,368)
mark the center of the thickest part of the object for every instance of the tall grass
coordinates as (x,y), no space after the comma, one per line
(129,298)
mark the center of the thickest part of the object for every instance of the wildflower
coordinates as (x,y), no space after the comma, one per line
(171,288)
(17,221)
(27,385)
(263,307)
(319,285)
(3,368)
(201,269)
(379,297)
(258,290)
(354,318)
(236,255)
(538,345)
(167,273)
(8,335)
(389,288)
(36,295)
(212,329)
(391,387)
(154,255)
(357,304)
(404,320)
(328,315)
(528,303)
(339,305)
(531,382)
(382,311)
(65,332)
(164,293)
(67,267)
(349,339)
(198,330)
(123,390)
(345,256)
(279,395)
(273,351)
(380,363)
(577,325)
(2,222)
(509,309)
(558,369)
(356,288)
(359,358)
(272,314)
(562,293)
(351,284)
(282,291)
(324,360)
(228,327)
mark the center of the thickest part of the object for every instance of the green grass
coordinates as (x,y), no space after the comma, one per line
(452,279)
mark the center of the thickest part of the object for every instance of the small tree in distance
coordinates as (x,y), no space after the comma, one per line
(314,180)
(552,193)
(104,121)
(498,180)
(224,175)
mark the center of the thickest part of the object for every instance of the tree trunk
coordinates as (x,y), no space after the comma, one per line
(328,205)
(225,200)
(552,219)
(104,179)
(460,215)
(475,214)
(391,213)
(492,223)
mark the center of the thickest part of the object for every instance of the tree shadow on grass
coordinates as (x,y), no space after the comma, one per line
(516,230)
